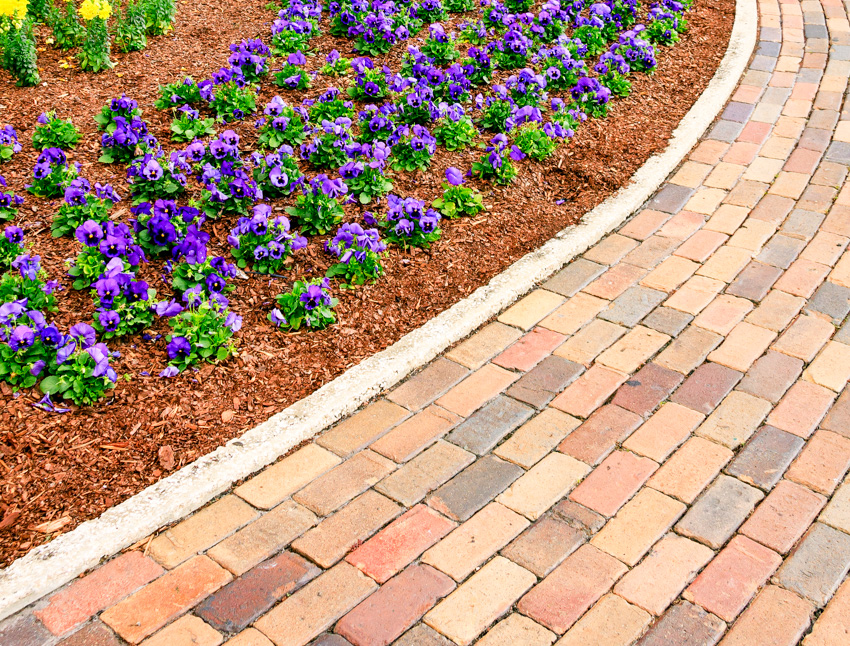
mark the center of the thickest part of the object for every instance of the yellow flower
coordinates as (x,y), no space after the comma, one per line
(91,9)
(16,9)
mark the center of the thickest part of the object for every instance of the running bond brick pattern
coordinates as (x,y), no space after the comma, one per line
(649,448)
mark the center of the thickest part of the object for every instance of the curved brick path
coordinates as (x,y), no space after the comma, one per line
(651,446)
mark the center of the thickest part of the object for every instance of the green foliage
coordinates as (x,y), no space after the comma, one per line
(16,367)
(56,133)
(130,26)
(54,184)
(187,275)
(233,102)
(96,48)
(330,110)
(593,39)
(203,326)
(292,77)
(369,86)
(666,31)
(88,266)
(135,316)
(14,286)
(530,139)
(459,6)
(617,83)
(272,136)
(495,116)
(20,56)
(159,15)
(68,30)
(188,127)
(39,10)
(369,184)
(339,67)
(173,95)
(503,173)
(316,212)
(455,135)
(459,200)
(69,216)
(443,53)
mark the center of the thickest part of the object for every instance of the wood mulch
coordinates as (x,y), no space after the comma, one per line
(57,471)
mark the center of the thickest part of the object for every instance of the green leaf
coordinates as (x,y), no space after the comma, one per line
(50,385)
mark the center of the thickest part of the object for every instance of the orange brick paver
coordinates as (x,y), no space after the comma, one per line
(533,485)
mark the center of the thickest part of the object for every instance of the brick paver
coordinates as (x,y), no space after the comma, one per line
(651,447)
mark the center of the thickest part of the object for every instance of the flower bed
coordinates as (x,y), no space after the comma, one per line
(190,245)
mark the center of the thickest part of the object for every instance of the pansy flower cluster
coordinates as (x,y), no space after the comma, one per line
(637,52)
(335,65)
(228,95)
(560,69)
(80,204)
(9,144)
(276,174)
(308,304)
(201,332)
(496,163)
(107,246)
(172,95)
(122,303)
(369,83)
(376,26)
(410,223)
(365,174)
(317,209)
(282,124)
(264,242)
(667,21)
(413,147)
(329,105)
(457,199)
(70,365)
(189,125)
(292,75)
(296,24)
(9,202)
(359,252)
(123,107)
(123,140)
(455,129)
(249,59)
(327,149)
(152,176)
(198,275)
(52,174)
(162,225)
(11,245)
(376,123)
(26,279)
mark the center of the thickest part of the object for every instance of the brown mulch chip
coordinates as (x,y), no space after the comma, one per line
(57,471)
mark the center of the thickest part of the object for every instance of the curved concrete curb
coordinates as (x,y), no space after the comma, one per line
(49,566)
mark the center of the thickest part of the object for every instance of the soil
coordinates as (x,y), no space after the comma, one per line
(58,470)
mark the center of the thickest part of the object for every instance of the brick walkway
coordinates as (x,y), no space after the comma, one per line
(648,448)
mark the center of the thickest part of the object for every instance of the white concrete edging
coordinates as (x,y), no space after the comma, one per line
(50,566)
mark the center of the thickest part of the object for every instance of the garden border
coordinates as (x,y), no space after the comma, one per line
(49,566)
